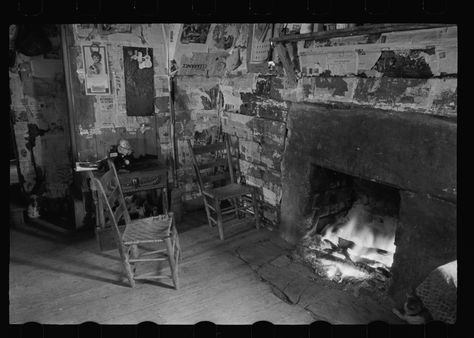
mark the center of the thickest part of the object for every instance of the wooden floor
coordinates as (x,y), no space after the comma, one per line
(59,278)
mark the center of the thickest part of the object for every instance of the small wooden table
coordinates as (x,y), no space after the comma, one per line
(144,176)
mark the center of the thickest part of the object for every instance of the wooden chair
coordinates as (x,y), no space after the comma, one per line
(214,166)
(138,234)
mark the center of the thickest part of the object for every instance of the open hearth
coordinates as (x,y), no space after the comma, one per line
(351,230)
(343,152)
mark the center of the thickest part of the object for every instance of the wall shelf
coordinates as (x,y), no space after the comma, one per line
(360,30)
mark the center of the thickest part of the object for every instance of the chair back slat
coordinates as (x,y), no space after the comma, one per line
(213,163)
(119,212)
(114,196)
(209,148)
(111,199)
(108,182)
(215,178)
(229,158)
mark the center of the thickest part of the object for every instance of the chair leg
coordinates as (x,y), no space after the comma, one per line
(177,245)
(235,204)
(125,264)
(172,262)
(255,209)
(208,212)
(219,218)
(134,250)
(128,268)
(135,253)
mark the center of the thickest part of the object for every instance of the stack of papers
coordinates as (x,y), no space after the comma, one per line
(86,166)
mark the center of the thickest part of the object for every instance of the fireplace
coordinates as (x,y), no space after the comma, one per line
(382,167)
(350,232)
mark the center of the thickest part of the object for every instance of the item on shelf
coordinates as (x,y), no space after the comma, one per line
(306,28)
(342,25)
(318,27)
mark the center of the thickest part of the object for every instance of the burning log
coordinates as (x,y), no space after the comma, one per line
(336,263)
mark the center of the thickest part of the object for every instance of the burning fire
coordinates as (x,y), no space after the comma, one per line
(373,237)
(359,239)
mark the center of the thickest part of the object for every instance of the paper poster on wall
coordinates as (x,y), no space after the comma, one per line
(115,28)
(139,81)
(224,35)
(196,64)
(342,63)
(96,70)
(84,30)
(195,33)
(260,42)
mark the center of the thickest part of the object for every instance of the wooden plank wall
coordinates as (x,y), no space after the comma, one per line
(101,120)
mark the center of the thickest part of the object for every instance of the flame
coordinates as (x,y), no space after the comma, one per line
(369,234)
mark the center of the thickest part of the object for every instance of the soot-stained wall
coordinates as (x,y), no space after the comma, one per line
(385,101)
(39,107)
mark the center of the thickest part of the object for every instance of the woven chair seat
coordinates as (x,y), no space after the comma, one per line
(228,191)
(147,230)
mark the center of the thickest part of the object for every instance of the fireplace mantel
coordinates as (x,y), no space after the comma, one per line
(414,152)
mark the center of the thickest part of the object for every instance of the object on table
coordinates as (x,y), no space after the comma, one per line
(33,207)
(121,154)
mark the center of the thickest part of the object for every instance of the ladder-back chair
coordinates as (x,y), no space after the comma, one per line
(214,166)
(138,235)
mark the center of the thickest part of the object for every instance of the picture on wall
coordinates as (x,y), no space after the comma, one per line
(115,28)
(139,81)
(195,33)
(97,80)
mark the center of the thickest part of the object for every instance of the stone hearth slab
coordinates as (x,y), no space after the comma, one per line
(296,284)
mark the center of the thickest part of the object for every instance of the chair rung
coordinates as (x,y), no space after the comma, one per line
(144,241)
(147,259)
(229,211)
(236,221)
(222,210)
(152,252)
(152,277)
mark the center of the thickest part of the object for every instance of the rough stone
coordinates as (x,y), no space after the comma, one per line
(425,239)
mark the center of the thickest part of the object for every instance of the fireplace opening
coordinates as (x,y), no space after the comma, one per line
(350,230)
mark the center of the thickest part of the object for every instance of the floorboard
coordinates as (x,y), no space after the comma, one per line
(58,277)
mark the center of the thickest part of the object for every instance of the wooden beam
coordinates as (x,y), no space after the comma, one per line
(287,64)
(360,30)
